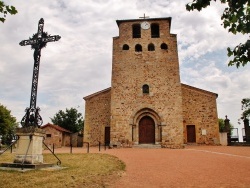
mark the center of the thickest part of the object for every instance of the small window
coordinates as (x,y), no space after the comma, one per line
(164,46)
(136,31)
(155,31)
(145,89)
(138,48)
(151,47)
(48,135)
(125,47)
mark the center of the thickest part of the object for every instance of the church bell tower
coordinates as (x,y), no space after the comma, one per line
(146,99)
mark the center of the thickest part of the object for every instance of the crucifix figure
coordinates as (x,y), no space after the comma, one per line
(37,42)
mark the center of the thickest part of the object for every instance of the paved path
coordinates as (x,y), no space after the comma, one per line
(195,166)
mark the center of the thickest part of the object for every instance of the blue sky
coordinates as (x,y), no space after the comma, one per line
(80,63)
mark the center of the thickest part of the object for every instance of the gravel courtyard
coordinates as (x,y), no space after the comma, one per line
(194,166)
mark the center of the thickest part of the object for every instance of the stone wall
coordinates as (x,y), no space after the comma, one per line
(56,137)
(76,139)
(97,116)
(199,109)
(159,69)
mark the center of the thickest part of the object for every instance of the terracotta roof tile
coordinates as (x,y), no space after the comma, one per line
(57,127)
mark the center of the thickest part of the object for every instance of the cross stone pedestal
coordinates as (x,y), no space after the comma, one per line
(29,145)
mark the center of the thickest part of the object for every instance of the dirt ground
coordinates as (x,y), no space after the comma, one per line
(194,166)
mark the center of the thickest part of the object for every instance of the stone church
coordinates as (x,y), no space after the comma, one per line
(147,103)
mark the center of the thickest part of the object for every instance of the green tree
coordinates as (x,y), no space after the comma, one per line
(245,104)
(71,120)
(222,124)
(5,9)
(236,17)
(8,125)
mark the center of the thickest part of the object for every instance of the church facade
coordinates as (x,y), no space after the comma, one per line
(147,103)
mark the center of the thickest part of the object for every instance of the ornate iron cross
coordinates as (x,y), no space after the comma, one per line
(37,42)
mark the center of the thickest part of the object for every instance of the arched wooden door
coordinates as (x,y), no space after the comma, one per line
(146,130)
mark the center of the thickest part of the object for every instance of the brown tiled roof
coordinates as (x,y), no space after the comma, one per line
(57,127)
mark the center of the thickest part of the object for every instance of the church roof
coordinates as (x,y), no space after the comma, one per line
(144,19)
(57,127)
(183,85)
(199,90)
(96,93)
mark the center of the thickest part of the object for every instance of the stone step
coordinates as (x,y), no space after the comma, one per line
(192,144)
(154,146)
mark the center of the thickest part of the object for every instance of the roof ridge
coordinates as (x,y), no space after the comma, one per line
(58,127)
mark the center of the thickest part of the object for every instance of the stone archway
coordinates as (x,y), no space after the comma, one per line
(156,120)
(146,130)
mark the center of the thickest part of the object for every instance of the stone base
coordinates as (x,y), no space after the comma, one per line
(30,166)
(29,159)
(29,145)
(223,138)
(153,146)
(173,146)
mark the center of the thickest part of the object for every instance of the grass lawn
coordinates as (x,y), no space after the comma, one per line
(83,170)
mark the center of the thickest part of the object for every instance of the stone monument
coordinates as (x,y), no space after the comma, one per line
(227,129)
(30,136)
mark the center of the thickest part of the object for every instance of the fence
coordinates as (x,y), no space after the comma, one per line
(234,136)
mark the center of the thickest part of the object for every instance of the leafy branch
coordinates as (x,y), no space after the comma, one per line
(236,18)
(6,9)
(245,105)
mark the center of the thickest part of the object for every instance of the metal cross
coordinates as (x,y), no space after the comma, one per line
(144,16)
(37,42)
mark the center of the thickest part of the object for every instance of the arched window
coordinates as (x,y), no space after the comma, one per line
(155,30)
(136,31)
(125,47)
(138,48)
(145,89)
(164,46)
(151,47)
